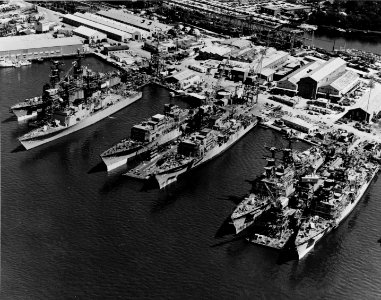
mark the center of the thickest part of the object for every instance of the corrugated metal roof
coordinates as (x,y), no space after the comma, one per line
(345,80)
(35,41)
(327,68)
(267,72)
(183,75)
(273,57)
(87,31)
(96,25)
(295,76)
(134,20)
(219,50)
(107,22)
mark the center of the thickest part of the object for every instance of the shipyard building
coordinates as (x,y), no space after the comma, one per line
(89,34)
(135,33)
(184,79)
(289,84)
(308,86)
(112,33)
(135,21)
(40,45)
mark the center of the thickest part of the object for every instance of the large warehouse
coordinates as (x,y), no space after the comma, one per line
(136,34)
(111,33)
(340,85)
(289,84)
(308,86)
(90,34)
(38,45)
(134,20)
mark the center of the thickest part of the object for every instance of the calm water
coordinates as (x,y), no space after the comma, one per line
(71,232)
(354,40)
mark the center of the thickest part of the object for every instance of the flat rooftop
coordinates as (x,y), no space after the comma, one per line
(35,41)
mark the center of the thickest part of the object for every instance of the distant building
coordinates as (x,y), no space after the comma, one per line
(274,59)
(155,47)
(308,86)
(112,33)
(267,74)
(239,74)
(216,51)
(135,21)
(136,33)
(42,27)
(184,79)
(287,9)
(341,85)
(299,124)
(358,114)
(90,34)
(39,45)
(289,84)
(116,49)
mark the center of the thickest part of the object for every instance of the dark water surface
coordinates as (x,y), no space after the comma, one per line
(353,40)
(72,232)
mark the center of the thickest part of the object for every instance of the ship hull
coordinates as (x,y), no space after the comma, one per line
(23,115)
(221,149)
(96,117)
(167,178)
(117,160)
(241,223)
(306,247)
(218,150)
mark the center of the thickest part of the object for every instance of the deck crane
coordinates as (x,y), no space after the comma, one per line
(220,77)
(250,92)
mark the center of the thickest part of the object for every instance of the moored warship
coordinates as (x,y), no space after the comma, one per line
(201,146)
(345,182)
(78,83)
(276,185)
(72,118)
(160,129)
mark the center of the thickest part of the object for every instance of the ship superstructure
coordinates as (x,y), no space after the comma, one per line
(68,119)
(276,185)
(145,136)
(79,83)
(322,189)
(346,177)
(223,130)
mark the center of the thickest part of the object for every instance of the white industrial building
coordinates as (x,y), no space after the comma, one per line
(136,34)
(184,79)
(289,84)
(90,34)
(299,124)
(341,85)
(111,32)
(273,59)
(330,70)
(134,20)
(38,45)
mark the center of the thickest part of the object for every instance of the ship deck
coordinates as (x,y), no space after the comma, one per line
(147,168)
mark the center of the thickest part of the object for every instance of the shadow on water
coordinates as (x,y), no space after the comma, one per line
(100,167)
(234,199)
(19,148)
(149,185)
(288,253)
(113,183)
(165,200)
(226,228)
(10,119)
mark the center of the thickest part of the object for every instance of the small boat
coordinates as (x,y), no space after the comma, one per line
(6,63)
(24,63)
